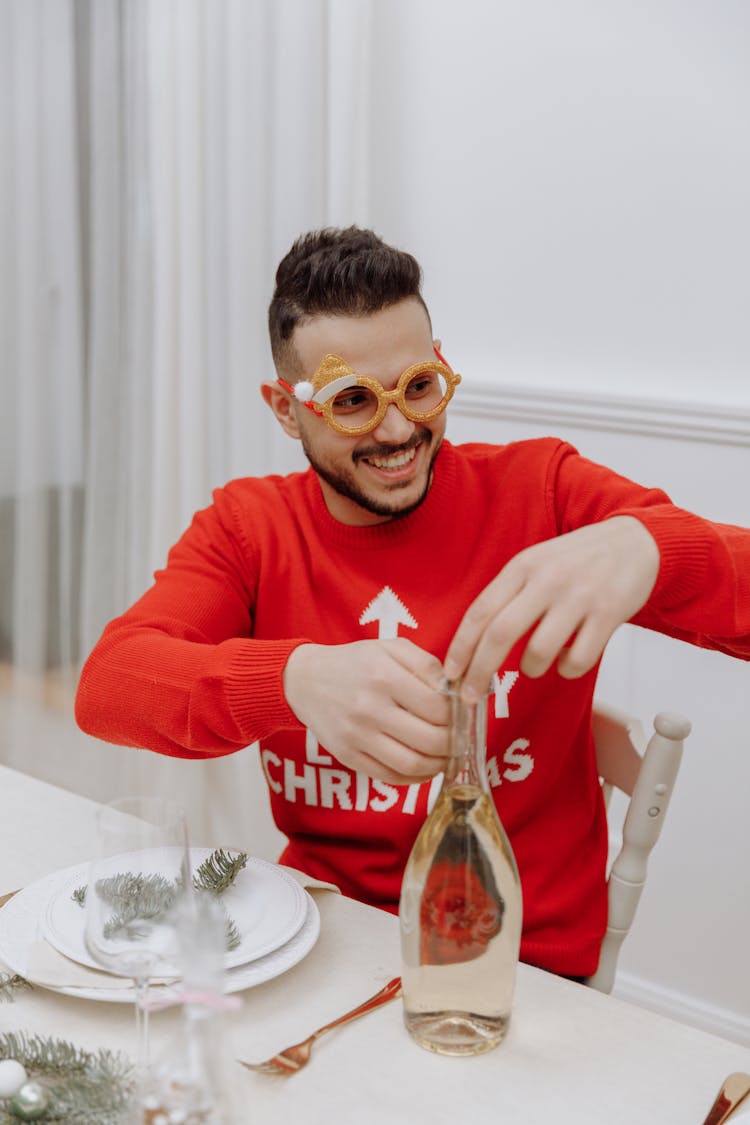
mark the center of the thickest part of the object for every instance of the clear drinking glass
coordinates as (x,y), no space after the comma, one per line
(140,871)
(190,1080)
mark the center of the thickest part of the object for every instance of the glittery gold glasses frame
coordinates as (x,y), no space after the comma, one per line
(334,376)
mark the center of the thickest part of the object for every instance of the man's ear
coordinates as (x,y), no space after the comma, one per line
(282,406)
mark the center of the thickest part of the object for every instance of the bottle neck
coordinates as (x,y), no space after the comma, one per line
(468,735)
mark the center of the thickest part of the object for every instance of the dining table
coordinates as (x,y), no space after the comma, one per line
(571,1054)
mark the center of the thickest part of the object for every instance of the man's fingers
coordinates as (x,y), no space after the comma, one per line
(559,637)
(423,665)
(562,597)
(423,705)
(376,769)
(503,631)
(375,705)
(549,639)
(585,650)
(489,618)
(396,764)
(410,735)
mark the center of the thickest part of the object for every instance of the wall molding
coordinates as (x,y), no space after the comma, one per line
(636,414)
(682,1008)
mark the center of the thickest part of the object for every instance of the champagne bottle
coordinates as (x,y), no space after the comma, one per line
(461,909)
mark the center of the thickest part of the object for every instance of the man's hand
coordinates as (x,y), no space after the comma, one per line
(375,705)
(571,592)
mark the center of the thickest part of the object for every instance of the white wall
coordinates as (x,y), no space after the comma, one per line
(575,179)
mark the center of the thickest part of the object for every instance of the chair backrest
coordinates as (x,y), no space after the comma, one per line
(646,772)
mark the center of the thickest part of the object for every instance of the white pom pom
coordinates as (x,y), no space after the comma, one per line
(303,391)
(12,1077)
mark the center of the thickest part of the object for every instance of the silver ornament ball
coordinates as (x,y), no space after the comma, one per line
(31,1101)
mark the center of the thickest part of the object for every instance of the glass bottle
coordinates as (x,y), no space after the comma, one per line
(461,909)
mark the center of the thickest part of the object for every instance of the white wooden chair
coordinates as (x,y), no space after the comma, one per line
(646,772)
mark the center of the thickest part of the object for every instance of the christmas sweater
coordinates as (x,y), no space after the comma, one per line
(195,667)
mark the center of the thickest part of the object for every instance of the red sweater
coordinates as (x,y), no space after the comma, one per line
(194,668)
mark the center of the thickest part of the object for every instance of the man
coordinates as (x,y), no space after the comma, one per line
(319,613)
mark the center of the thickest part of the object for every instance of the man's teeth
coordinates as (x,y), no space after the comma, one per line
(395,461)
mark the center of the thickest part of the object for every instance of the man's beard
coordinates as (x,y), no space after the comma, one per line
(343,482)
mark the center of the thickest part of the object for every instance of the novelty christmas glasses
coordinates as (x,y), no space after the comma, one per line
(355,404)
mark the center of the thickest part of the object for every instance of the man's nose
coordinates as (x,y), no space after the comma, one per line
(394,426)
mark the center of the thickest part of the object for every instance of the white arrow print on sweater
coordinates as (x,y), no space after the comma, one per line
(389,612)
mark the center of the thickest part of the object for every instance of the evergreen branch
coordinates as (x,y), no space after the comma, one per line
(10,982)
(135,899)
(155,892)
(219,871)
(84,1087)
(215,874)
(141,899)
(233,935)
(43,1056)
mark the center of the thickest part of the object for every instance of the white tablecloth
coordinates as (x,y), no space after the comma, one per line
(571,1055)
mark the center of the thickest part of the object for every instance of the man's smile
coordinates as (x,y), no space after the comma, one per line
(392,456)
(391,460)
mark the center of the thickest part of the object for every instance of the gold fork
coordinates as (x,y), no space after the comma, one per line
(735,1089)
(292,1059)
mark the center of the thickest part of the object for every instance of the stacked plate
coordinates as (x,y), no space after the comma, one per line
(276,918)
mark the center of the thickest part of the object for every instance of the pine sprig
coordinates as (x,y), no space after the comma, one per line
(135,900)
(44,1056)
(219,871)
(140,899)
(84,1087)
(10,983)
(233,935)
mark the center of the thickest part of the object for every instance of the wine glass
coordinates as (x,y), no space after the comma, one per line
(139,873)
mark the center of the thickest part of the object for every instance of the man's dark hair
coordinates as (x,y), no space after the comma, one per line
(334,271)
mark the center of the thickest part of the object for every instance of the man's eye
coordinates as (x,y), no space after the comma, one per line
(348,401)
(419,386)
(424,385)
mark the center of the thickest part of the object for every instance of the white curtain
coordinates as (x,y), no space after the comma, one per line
(158,159)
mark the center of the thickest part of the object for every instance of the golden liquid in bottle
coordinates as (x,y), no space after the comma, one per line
(458,992)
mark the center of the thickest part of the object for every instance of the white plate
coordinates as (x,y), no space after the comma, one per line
(20,928)
(267,905)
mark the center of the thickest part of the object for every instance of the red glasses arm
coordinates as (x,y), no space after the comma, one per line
(440,356)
